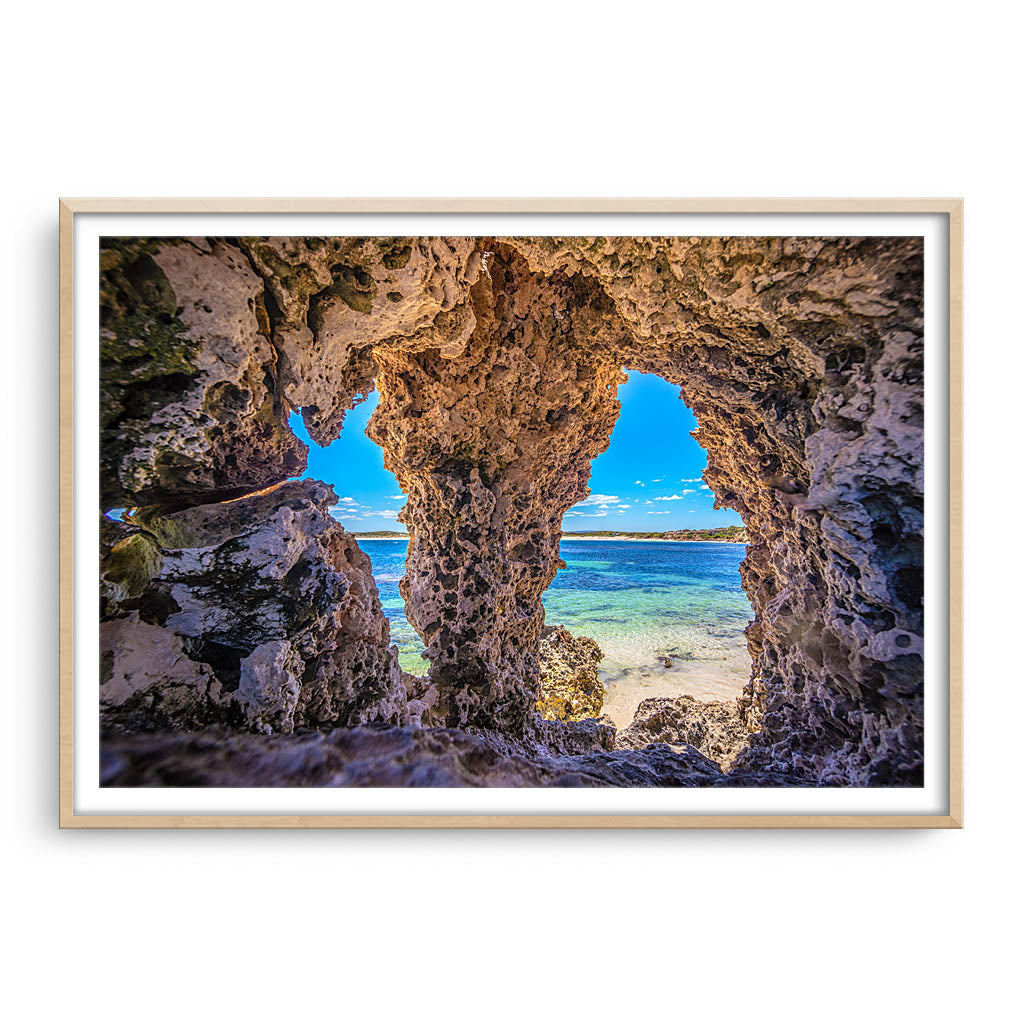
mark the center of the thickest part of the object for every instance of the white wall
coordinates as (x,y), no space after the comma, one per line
(511,99)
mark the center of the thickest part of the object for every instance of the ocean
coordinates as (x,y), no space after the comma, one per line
(669,617)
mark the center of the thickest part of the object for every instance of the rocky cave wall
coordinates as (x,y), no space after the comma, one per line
(497,363)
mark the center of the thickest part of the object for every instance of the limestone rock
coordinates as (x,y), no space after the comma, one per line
(715,728)
(406,757)
(148,681)
(269,686)
(332,299)
(190,409)
(497,362)
(275,595)
(802,360)
(570,688)
(492,446)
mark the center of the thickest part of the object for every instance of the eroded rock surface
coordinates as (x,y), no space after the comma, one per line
(397,757)
(148,681)
(570,688)
(331,299)
(716,728)
(190,409)
(266,593)
(497,363)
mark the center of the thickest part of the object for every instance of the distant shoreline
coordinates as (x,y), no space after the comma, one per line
(590,537)
(654,540)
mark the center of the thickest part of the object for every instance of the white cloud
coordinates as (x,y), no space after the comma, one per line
(691,480)
(598,500)
(347,501)
(648,502)
(639,483)
(677,497)
(625,506)
(657,480)
(665,513)
(360,512)
(704,487)
(396,497)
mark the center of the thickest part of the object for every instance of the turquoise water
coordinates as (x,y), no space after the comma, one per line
(642,601)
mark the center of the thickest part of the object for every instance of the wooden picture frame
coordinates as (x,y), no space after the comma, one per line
(952,209)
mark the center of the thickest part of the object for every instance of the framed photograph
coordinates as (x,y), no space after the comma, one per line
(511,513)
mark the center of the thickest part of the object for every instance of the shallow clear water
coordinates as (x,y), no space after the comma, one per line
(642,601)
(646,600)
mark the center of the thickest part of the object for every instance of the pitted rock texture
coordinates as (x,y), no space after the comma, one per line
(492,447)
(570,688)
(715,728)
(497,363)
(189,407)
(396,757)
(269,595)
(331,299)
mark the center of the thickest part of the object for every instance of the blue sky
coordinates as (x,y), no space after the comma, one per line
(648,479)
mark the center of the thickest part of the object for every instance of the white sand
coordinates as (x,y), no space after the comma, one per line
(700,679)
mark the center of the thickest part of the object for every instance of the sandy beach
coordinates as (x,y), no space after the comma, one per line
(703,680)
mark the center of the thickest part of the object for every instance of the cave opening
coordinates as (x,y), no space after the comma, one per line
(369,502)
(651,566)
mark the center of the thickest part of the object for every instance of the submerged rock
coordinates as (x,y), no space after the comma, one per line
(570,688)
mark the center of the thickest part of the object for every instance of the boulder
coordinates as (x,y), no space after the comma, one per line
(269,594)
(570,688)
(716,728)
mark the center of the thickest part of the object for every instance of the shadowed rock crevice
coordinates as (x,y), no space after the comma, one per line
(497,363)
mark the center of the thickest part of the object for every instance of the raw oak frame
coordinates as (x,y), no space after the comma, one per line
(951,207)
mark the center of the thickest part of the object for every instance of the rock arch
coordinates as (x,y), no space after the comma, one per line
(497,362)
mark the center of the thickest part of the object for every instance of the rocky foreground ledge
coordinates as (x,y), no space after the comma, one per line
(402,757)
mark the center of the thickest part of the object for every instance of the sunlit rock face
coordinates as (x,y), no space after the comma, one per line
(492,446)
(329,300)
(570,683)
(497,363)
